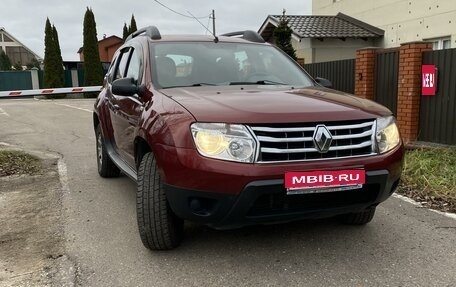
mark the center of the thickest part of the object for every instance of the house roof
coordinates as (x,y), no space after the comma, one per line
(103,40)
(338,26)
(19,42)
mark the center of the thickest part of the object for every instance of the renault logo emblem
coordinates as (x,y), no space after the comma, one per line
(322,139)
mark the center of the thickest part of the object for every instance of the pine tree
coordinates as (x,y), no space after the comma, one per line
(125,32)
(92,64)
(133,28)
(58,60)
(5,63)
(282,37)
(53,64)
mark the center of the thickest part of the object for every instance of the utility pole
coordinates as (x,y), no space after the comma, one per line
(213,22)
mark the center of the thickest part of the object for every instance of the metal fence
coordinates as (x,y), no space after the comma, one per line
(15,80)
(386,78)
(24,80)
(340,73)
(438,113)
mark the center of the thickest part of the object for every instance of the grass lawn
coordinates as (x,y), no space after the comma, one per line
(18,162)
(429,177)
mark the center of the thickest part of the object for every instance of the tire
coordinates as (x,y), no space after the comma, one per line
(358,218)
(106,167)
(159,227)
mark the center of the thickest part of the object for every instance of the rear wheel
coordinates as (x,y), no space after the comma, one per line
(159,227)
(358,218)
(106,167)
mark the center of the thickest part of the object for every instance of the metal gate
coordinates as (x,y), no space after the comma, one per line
(340,73)
(386,78)
(438,113)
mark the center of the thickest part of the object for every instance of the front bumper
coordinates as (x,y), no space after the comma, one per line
(266,201)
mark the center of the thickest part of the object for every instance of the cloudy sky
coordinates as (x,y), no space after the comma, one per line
(25,19)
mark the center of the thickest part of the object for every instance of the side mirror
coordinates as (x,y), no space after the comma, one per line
(124,87)
(324,82)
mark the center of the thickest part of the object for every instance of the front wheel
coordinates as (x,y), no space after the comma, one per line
(358,218)
(159,227)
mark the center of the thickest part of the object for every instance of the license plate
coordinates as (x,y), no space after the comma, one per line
(324,181)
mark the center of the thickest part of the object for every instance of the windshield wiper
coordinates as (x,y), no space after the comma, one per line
(203,84)
(262,82)
(190,85)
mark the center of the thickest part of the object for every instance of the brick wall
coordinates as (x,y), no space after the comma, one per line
(365,73)
(409,88)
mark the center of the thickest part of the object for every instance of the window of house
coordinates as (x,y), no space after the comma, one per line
(441,43)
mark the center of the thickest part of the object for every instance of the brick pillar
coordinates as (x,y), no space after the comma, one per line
(365,73)
(409,88)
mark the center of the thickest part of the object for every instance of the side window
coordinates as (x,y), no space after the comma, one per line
(134,66)
(123,60)
(112,67)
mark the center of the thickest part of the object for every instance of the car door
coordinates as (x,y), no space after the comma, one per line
(125,110)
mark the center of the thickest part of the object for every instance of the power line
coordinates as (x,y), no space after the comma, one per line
(178,13)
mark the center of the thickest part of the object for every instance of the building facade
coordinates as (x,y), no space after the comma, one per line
(17,52)
(106,48)
(402,20)
(324,38)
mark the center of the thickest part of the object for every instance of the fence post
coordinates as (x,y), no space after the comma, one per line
(74,78)
(35,79)
(409,88)
(365,73)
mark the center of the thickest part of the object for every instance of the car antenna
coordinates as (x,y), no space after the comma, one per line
(212,15)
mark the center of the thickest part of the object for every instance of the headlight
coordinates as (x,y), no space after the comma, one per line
(387,134)
(224,141)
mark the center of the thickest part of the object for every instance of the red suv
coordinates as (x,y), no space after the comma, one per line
(230,131)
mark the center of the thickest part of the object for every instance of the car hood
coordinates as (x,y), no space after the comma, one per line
(272,104)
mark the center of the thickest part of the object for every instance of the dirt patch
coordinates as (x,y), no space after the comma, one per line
(14,162)
(31,234)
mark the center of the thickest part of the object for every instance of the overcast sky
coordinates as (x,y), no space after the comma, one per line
(25,19)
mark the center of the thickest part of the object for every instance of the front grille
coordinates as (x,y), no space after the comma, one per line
(295,142)
(281,203)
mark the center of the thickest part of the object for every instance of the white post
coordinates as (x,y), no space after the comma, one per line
(35,79)
(74,78)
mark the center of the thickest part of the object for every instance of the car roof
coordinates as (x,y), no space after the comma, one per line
(198,38)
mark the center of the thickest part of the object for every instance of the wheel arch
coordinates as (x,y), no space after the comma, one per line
(141,148)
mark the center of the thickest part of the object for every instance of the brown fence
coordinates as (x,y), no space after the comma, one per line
(438,113)
(340,73)
(386,78)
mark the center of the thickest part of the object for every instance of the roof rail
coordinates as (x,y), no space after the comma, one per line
(151,32)
(248,35)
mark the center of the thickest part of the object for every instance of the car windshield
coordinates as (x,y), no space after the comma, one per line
(187,64)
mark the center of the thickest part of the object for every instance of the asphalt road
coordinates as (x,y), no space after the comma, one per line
(403,246)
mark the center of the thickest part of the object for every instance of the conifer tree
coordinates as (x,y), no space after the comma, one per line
(133,28)
(53,65)
(59,60)
(92,64)
(282,37)
(5,63)
(125,32)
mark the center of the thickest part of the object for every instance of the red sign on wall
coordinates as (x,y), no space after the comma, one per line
(429,80)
